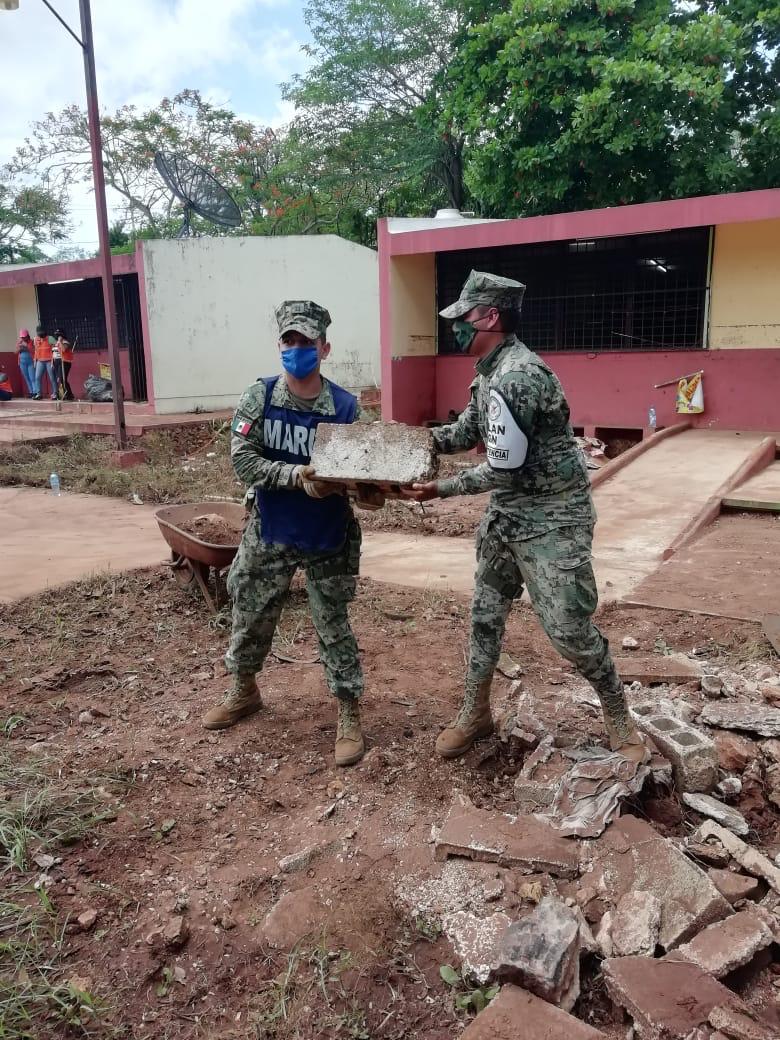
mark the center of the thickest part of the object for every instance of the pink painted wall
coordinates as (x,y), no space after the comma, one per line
(612,389)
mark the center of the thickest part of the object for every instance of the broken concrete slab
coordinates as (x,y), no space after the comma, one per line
(478,943)
(517,1013)
(294,916)
(743,715)
(727,945)
(750,859)
(667,999)
(388,454)
(691,752)
(514,841)
(541,953)
(631,856)
(740,1024)
(656,668)
(705,805)
(770,623)
(520,731)
(636,925)
(733,886)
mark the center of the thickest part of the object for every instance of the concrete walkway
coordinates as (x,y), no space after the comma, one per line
(50,541)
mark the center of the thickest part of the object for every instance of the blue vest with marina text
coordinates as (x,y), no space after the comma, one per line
(290,517)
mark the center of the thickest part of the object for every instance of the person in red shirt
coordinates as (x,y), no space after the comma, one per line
(43,363)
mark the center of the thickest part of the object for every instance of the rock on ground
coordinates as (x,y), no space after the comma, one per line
(706,805)
(734,886)
(727,945)
(477,942)
(516,1013)
(541,953)
(636,924)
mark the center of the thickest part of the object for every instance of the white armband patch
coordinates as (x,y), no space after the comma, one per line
(507,445)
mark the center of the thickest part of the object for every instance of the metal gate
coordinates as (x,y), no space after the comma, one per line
(128,312)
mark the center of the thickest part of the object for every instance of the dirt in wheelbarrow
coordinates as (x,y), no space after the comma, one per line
(213,528)
(196,884)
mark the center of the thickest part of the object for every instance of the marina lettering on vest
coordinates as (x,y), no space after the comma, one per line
(284,436)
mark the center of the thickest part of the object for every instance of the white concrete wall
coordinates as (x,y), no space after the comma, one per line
(210,304)
(18,310)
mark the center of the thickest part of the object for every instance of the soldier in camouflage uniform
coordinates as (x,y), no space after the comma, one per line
(538,529)
(296,522)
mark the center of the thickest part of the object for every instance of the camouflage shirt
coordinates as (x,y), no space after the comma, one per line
(551,488)
(247,441)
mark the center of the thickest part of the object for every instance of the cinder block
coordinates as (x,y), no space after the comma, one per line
(389,454)
(692,754)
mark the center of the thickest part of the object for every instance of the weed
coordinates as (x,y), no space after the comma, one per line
(11,723)
(467,997)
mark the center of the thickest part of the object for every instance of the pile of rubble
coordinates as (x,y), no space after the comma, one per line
(663,922)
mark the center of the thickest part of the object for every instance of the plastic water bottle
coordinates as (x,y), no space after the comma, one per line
(54,480)
(651,419)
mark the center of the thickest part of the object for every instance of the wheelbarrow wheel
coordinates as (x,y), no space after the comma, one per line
(183,573)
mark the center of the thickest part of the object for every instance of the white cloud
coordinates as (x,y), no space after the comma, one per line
(145,50)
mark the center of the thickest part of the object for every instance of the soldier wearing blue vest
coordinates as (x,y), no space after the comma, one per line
(297,522)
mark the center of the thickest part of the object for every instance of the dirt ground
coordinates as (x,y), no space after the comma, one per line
(177,839)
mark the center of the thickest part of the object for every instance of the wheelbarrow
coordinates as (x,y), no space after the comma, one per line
(192,559)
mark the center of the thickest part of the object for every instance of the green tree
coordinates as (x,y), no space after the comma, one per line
(30,217)
(569,104)
(370,103)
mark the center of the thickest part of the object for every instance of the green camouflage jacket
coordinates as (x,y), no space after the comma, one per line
(535,470)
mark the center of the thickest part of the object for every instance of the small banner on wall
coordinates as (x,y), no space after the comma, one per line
(105,371)
(690,394)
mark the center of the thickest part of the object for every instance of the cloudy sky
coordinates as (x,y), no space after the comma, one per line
(236,51)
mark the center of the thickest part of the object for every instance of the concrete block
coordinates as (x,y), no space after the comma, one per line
(734,886)
(541,953)
(389,454)
(513,841)
(636,925)
(727,945)
(631,856)
(666,999)
(516,1013)
(705,805)
(739,1024)
(692,754)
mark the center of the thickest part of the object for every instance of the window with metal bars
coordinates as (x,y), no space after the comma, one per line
(635,292)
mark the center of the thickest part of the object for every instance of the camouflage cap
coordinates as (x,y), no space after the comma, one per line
(486,290)
(302,316)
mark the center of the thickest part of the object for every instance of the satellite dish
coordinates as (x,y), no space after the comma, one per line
(200,192)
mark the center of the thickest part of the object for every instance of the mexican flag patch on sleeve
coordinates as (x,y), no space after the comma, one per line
(242,426)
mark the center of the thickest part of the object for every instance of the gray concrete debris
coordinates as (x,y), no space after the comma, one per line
(751,860)
(729,787)
(541,953)
(478,943)
(711,685)
(727,945)
(604,935)
(743,715)
(631,856)
(706,805)
(520,730)
(636,925)
(692,754)
(629,643)
(380,453)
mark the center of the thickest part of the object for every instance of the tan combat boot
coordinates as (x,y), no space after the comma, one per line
(624,737)
(472,722)
(242,700)
(350,746)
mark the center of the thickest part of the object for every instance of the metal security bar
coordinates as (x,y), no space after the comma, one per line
(636,292)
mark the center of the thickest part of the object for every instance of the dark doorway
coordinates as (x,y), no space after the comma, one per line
(78,307)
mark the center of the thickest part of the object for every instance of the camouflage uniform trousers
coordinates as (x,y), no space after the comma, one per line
(556,569)
(258,582)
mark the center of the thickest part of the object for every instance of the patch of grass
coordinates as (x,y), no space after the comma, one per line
(308,997)
(185,465)
(43,811)
(467,997)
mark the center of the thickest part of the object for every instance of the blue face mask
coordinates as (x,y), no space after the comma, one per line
(300,361)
